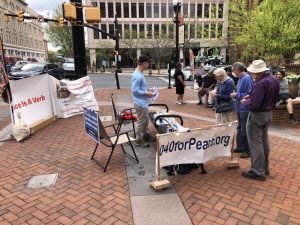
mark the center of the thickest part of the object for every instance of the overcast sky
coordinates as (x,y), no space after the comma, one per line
(43,7)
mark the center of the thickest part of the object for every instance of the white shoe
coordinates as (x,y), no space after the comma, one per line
(178,103)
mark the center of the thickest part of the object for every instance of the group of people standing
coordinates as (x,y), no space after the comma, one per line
(256,95)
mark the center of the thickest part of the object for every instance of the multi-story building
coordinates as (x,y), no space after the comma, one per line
(21,39)
(205,24)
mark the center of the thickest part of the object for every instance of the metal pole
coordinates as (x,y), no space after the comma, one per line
(78,42)
(169,72)
(117,51)
(177,10)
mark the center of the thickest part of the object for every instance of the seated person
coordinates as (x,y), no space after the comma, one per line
(208,84)
(284,94)
(199,72)
(290,108)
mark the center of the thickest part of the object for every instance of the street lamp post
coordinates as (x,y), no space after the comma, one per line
(177,7)
(117,50)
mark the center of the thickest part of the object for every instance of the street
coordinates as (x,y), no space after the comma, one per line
(108,81)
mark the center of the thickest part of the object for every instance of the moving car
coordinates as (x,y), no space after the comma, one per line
(69,67)
(186,71)
(19,65)
(32,69)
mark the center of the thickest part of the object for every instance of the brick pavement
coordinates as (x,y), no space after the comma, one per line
(83,194)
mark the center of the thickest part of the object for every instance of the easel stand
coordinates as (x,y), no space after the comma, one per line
(159,184)
(230,164)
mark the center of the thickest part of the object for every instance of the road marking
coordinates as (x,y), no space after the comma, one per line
(166,80)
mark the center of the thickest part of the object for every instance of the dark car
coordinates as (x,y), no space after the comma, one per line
(66,70)
(32,69)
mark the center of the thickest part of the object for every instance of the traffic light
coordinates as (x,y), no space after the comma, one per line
(6,17)
(61,21)
(69,11)
(21,16)
(92,15)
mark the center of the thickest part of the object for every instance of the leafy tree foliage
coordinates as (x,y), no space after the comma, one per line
(271,30)
(60,37)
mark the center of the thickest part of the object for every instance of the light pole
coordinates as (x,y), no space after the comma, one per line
(117,50)
(177,7)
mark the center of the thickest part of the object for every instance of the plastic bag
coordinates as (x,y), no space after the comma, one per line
(196,87)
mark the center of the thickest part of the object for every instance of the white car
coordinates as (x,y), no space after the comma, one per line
(186,71)
(18,65)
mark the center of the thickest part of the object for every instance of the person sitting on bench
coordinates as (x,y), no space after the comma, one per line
(284,93)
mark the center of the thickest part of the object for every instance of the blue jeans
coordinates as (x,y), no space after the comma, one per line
(241,136)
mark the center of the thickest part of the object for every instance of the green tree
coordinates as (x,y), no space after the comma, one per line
(272,31)
(60,37)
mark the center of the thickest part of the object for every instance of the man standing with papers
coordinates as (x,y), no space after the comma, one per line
(140,96)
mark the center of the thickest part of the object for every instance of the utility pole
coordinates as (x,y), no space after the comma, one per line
(117,51)
(78,42)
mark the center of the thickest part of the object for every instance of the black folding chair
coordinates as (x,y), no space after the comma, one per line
(119,138)
(124,116)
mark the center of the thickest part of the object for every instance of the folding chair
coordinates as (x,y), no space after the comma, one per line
(119,138)
(126,115)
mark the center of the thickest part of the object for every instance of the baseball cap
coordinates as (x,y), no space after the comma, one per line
(143,58)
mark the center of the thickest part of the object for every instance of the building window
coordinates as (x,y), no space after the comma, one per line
(96,33)
(156,10)
(171,10)
(213,31)
(163,28)
(110,10)
(199,10)
(185,10)
(103,27)
(118,9)
(142,31)
(102,8)
(192,10)
(220,11)
(149,30)
(141,10)
(149,10)
(156,30)
(192,31)
(186,32)
(220,28)
(213,11)
(133,10)
(111,29)
(206,11)
(126,31)
(171,31)
(134,31)
(126,10)
(199,31)
(94,4)
(206,31)
(163,10)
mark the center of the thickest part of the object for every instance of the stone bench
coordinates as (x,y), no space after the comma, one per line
(281,116)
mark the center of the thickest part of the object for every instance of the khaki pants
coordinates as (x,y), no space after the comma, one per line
(142,123)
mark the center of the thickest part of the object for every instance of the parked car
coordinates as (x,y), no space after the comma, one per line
(19,65)
(32,69)
(186,71)
(66,70)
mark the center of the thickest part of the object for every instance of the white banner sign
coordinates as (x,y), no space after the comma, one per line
(31,99)
(72,96)
(196,146)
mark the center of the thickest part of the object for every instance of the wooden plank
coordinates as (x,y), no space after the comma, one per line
(40,124)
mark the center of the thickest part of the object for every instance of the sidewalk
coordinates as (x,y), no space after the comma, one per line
(83,194)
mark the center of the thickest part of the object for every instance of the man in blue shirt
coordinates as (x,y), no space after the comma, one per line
(140,95)
(261,100)
(244,87)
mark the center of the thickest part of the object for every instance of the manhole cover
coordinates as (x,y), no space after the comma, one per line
(41,181)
